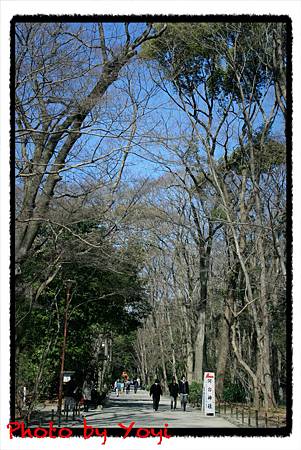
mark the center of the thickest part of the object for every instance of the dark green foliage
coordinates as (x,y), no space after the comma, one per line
(123,355)
(234,393)
(107,297)
(195,393)
(268,153)
(212,54)
(186,60)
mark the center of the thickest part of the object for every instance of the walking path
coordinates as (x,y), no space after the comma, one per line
(138,408)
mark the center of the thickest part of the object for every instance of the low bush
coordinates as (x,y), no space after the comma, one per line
(195,393)
(234,393)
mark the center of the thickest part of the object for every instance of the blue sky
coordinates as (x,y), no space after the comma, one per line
(161,115)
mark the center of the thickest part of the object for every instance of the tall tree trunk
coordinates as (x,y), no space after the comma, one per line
(199,347)
(172,344)
(189,345)
(254,376)
(223,351)
(264,342)
(163,365)
(141,356)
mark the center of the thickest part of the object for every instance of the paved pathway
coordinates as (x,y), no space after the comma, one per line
(138,408)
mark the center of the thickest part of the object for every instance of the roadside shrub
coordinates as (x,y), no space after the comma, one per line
(195,393)
(234,393)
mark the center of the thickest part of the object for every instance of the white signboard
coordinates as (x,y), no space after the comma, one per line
(209,394)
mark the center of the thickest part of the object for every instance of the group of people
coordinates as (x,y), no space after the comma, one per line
(73,394)
(125,386)
(175,389)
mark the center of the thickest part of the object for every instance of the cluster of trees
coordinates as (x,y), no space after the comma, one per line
(182,267)
(72,143)
(218,281)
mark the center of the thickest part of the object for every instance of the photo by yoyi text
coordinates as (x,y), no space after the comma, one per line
(18,429)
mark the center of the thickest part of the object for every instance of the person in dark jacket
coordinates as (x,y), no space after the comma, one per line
(70,390)
(135,385)
(174,391)
(156,392)
(184,391)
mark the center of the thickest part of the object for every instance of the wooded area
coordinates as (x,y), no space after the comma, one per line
(151,200)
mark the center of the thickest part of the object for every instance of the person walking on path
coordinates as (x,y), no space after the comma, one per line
(135,385)
(184,391)
(174,392)
(87,389)
(117,387)
(70,391)
(156,392)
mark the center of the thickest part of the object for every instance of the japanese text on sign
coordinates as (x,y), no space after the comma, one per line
(209,394)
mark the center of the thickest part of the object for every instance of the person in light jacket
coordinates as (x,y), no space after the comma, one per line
(87,389)
(117,387)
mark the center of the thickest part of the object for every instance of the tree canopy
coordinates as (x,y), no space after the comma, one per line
(151,204)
